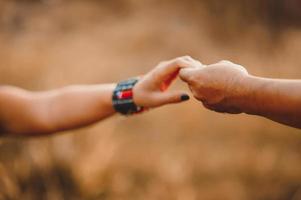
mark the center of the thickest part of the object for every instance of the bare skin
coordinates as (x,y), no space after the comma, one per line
(24,113)
(228,88)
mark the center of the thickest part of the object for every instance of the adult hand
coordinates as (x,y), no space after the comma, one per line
(152,90)
(218,86)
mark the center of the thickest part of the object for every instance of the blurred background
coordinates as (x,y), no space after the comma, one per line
(179,152)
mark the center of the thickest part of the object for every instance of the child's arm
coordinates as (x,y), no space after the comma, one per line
(37,113)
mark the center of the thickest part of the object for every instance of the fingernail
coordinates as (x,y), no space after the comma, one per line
(185,97)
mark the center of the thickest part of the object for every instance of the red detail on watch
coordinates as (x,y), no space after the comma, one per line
(127,94)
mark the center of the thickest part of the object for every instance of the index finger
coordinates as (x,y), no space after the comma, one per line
(188,73)
(168,68)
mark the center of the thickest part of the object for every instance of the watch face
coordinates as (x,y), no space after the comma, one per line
(127,94)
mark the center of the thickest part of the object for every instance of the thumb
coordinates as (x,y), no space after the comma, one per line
(187,73)
(172,97)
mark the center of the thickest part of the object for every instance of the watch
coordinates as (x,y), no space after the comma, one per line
(123,101)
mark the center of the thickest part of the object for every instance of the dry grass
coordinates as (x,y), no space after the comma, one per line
(177,152)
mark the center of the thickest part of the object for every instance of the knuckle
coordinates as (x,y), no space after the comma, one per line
(182,59)
(186,57)
(225,62)
(179,59)
(162,63)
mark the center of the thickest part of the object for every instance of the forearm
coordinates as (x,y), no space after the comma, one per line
(38,113)
(278,100)
(78,106)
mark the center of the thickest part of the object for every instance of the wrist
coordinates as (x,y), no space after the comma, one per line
(252,89)
(123,98)
(137,95)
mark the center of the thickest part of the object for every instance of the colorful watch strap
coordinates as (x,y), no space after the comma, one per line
(123,98)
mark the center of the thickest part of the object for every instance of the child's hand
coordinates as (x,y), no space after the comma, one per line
(151,90)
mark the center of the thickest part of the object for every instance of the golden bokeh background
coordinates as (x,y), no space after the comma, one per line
(181,152)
